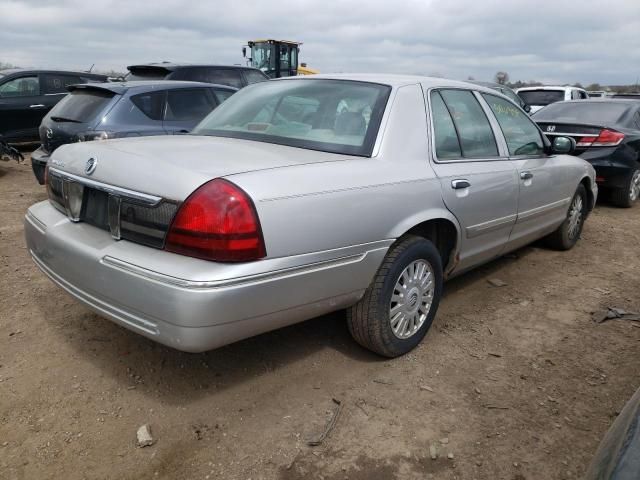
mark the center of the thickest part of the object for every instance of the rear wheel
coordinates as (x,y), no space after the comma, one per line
(568,234)
(626,196)
(399,306)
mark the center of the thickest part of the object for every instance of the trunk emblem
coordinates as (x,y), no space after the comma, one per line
(91,165)
(49,133)
(551,128)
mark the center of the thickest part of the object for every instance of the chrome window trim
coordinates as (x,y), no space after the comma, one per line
(427,99)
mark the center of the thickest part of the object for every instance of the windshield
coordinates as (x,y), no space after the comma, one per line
(541,97)
(597,113)
(263,57)
(337,116)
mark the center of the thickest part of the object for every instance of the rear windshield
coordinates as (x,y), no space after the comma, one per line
(595,113)
(337,116)
(255,76)
(82,105)
(147,74)
(541,97)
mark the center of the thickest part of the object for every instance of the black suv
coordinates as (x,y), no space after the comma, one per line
(232,75)
(27,95)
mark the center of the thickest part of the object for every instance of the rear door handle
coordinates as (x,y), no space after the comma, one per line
(460,184)
(38,105)
(526,175)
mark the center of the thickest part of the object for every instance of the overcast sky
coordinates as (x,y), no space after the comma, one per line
(551,41)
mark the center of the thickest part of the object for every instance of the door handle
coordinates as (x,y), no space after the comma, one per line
(38,105)
(526,175)
(460,184)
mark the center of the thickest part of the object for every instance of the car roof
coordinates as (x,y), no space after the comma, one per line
(11,71)
(171,66)
(140,86)
(549,87)
(601,100)
(393,80)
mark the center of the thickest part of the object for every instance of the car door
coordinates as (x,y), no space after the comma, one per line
(186,107)
(479,183)
(545,185)
(22,107)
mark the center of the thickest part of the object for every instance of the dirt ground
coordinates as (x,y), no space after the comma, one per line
(515,382)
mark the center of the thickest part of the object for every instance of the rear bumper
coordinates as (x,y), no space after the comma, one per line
(613,166)
(39,160)
(186,303)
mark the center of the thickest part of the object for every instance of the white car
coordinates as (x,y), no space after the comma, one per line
(538,97)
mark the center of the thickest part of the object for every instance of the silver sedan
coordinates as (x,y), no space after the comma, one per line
(302,196)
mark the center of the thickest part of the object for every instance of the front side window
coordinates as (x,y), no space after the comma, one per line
(472,125)
(522,136)
(189,104)
(21,87)
(329,115)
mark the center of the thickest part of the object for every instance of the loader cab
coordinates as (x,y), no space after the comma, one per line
(275,58)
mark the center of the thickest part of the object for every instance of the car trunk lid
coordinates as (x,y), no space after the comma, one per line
(134,187)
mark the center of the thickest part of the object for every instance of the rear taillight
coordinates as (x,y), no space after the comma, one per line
(217,222)
(607,138)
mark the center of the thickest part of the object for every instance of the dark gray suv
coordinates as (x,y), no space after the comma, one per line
(232,75)
(100,111)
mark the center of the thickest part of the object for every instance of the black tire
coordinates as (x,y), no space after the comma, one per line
(624,197)
(369,320)
(562,238)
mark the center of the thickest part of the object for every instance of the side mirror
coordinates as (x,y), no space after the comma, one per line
(563,145)
(244,52)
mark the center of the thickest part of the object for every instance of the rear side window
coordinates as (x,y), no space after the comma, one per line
(254,76)
(189,104)
(82,105)
(151,104)
(21,87)
(446,138)
(522,136)
(472,126)
(221,94)
(54,84)
(222,76)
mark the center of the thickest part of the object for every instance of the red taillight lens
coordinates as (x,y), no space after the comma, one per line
(608,138)
(217,222)
(585,141)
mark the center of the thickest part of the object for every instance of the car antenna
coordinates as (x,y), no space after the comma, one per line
(93,65)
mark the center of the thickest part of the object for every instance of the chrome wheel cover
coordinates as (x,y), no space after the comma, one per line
(411,299)
(634,189)
(575,217)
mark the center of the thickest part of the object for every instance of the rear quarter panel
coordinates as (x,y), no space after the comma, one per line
(355,201)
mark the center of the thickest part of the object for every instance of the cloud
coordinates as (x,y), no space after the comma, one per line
(551,41)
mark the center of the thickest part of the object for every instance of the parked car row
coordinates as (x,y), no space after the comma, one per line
(297,197)
(26,96)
